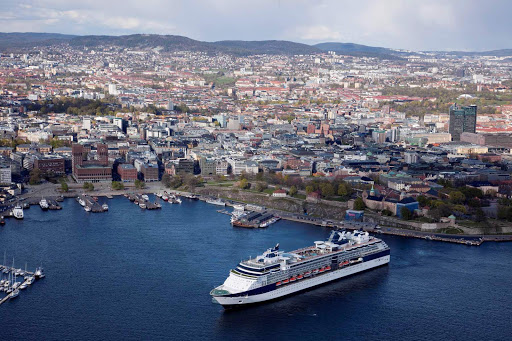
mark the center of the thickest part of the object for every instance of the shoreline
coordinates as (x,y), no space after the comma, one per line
(52,191)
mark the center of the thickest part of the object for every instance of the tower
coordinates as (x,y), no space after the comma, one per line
(462,119)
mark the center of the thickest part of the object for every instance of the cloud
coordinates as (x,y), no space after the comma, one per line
(318,33)
(411,24)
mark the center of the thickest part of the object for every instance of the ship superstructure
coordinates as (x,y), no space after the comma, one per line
(276,273)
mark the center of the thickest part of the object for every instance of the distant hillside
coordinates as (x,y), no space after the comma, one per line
(358,50)
(168,43)
(497,53)
(30,39)
(268,47)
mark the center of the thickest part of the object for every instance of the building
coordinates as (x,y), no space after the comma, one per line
(208,166)
(127,172)
(280,193)
(5,173)
(90,170)
(150,172)
(462,119)
(50,164)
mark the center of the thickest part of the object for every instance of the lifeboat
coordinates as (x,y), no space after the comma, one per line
(315,271)
(293,279)
(327,268)
(286,281)
(322,269)
(307,273)
(278,283)
(300,276)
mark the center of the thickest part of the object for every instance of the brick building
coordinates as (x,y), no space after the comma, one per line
(90,170)
(127,172)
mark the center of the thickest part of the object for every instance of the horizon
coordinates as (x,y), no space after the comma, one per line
(409,25)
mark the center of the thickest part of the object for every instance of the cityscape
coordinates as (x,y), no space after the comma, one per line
(156,164)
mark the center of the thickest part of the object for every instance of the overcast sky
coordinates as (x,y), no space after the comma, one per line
(408,24)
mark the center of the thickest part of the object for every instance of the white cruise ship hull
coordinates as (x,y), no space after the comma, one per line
(302,284)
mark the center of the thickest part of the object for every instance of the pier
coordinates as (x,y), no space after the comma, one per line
(137,199)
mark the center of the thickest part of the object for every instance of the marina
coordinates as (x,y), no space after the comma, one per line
(12,280)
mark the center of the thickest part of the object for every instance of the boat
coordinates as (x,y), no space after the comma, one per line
(142,205)
(39,273)
(17,212)
(14,293)
(255,280)
(105,207)
(23,286)
(2,220)
(145,197)
(217,202)
(110,196)
(87,209)
(81,201)
(43,203)
(165,197)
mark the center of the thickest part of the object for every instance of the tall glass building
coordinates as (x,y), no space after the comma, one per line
(462,119)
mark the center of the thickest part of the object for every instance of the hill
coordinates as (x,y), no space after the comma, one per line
(358,50)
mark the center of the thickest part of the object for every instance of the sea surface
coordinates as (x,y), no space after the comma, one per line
(131,274)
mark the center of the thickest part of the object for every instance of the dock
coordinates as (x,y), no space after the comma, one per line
(22,274)
(137,199)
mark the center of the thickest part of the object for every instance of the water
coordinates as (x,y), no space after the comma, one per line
(131,274)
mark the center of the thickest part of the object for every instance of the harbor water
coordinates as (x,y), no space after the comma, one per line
(133,274)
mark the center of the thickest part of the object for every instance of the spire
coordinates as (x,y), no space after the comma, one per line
(372,191)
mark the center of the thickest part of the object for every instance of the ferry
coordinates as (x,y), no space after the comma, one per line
(276,274)
(217,202)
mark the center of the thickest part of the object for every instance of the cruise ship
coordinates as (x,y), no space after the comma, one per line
(275,273)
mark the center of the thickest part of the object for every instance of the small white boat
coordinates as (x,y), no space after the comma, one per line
(14,294)
(145,197)
(39,273)
(105,207)
(43,203)
(23,286)
(87,209)
(142,205)
(165,197)
(81,201)
(17,212)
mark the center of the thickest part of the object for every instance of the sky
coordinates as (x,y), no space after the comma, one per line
(468,25)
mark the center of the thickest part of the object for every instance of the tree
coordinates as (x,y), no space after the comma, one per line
(244,184)
(293,191)
(406,213)
(309,189)
(116,185)
(261,186)
(359,204)
(176,181)
(422,200)
(35,176)
(64,186)
(139,184)
(457,197)
(88,186)
(166,180)
(327,189)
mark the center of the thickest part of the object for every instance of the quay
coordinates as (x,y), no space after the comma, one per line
(90,204)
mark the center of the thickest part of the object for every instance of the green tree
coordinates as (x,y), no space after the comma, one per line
(422,200)
(116,185)
(166,180)
(88,186)
(327,189)
(293,191)
(406,213)
(64,186)
(309,189)
(244,184)
(35,176)
(359,204)
(457,197)
(139,184)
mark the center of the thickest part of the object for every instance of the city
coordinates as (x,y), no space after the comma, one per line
(386,155)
